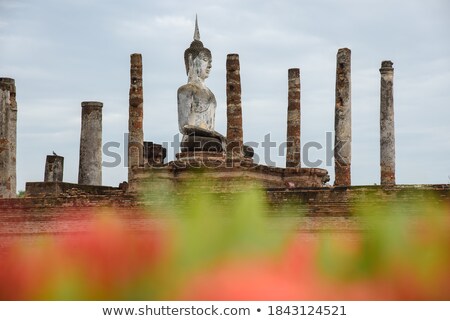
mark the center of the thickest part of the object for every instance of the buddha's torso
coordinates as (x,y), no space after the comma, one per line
(196,106)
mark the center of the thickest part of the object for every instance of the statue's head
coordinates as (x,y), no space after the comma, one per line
(197,54)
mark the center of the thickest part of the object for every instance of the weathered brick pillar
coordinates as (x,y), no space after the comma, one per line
(293,119)
(135,116)
(54,168)
(343,119)
(8,130)
(234,109)
(90,168)
(387,131)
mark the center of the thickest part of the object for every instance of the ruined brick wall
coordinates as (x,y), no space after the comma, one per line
(337,201)
(311,211)
(62,189)
(343,201)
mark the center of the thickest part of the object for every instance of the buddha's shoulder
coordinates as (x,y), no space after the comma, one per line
(192,89)
(188,87)
(186,91)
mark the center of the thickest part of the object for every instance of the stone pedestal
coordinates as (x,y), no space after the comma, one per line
(54,168)
(154,154)
(234,110)
(136,115)
(90,167)
(8,130)
(207,167)
(200,160)
(343,119)
(293,158)
(387,130)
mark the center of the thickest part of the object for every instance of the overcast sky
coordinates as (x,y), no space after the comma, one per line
(63,52)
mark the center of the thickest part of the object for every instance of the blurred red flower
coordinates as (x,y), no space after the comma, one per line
(104,262)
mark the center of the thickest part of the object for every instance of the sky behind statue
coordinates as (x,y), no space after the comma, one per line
(64,52)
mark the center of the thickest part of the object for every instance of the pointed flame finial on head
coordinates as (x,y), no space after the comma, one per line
(197,32)
(195,48)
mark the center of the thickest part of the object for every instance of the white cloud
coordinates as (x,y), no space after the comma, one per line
(158,26)
(173,22)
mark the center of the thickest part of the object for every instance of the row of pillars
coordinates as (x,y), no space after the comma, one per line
(91,125)
(343,120)
(90,171)
(343,133)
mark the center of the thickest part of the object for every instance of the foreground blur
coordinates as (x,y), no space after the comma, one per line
(205,247)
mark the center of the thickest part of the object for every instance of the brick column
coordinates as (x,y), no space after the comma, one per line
(234,109)
(293,119)
(90,167)
(387,131)
(135,116)
(8,140)
(54,168)
(343,119)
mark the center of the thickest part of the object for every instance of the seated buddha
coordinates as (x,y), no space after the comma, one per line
(196,103)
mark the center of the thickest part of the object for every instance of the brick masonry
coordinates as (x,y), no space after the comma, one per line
(293,158)
(136,115)
(234,109)
(312,210)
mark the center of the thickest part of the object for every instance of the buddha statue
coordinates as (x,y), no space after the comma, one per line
(196,103)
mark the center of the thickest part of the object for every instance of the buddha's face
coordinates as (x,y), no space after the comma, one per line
(202,65)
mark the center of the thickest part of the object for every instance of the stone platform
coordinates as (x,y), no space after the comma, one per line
(207,166)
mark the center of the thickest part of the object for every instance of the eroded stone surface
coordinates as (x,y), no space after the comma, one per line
(90,166)
(8,131)
(154,154)
(234,109)
(293,119)
(135,115)
(54,168)
(343,119)
(387,130)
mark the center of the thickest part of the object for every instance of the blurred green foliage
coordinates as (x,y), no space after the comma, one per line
(211,244)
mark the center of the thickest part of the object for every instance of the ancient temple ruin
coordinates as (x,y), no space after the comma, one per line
(221,158)
(218,155)
(204,148)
